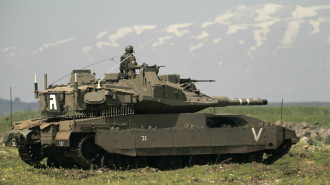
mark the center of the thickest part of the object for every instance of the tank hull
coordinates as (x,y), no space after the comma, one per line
(192,141)
(92,142)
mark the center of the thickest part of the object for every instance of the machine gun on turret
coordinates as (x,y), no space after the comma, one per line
(188,80)
(144,65)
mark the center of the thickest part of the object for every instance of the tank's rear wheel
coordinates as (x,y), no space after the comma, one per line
(32,154)
(86,153)
(253,157)
(166,162)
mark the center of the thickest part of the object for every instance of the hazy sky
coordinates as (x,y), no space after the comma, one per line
(29,25)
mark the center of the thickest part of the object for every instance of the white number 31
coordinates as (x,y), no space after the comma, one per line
(144,138)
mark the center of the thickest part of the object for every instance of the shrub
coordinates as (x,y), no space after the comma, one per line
(311,142)
(318,138)
(327,140)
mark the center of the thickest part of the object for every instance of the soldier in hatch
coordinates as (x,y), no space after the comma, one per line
(128,62)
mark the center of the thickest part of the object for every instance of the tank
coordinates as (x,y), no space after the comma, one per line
(123,121)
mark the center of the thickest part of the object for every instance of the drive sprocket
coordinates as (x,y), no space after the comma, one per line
(86,153)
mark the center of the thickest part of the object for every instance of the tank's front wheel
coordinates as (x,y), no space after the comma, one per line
(32,154)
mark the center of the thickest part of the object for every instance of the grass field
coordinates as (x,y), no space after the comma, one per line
(17,116)
(308,162)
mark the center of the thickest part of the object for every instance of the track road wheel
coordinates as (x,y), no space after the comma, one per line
(52,162)
(58,159)
(32,154)
(109,161)
(169,162)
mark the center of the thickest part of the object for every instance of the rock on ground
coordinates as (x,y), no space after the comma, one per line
(305,130)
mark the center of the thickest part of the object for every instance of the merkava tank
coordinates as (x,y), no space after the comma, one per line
(146,119)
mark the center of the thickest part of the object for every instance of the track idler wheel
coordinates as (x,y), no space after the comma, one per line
(32,154)
(278,153)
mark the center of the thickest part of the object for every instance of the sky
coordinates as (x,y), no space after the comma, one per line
(42,24)
(26,23)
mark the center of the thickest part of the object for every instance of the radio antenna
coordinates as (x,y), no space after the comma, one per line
(281,111)
(11,108)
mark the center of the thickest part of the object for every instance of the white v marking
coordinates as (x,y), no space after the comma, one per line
(256,137)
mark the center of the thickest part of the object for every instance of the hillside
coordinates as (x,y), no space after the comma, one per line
(18,106)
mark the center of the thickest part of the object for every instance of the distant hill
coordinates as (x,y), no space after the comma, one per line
(18,105)
(298,104)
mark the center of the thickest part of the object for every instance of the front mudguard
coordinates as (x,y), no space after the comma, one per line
(14,138)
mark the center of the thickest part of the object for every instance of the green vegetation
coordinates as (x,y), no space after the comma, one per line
(17,116)
(18,106)
(272,114)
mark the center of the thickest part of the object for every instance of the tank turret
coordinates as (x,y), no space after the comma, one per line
(116,93)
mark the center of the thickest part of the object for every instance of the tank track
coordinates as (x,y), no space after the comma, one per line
(121,162)
(32,155)
(87,157)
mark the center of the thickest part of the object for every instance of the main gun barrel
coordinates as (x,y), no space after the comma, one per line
(225,101)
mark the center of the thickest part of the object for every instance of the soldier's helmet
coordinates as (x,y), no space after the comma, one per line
(129,49)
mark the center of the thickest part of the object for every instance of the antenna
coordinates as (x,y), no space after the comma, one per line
(11,108)
(281,110)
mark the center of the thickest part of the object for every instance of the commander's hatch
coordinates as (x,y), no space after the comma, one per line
(84,77)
